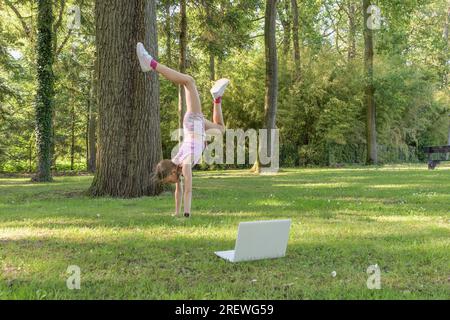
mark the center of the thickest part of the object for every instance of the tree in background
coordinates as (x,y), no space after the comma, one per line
(45,91)
(446,57)
(271,100)
(182,61)
(351,45)
(322,118)
(91,149)
(372,152)
(296,39)
(128,100)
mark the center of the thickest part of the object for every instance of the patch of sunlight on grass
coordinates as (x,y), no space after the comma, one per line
(26,185)
(272,202)
(12,234)
(411,219)
(324,185)
(108,234)
(229,214)
(58,182)
(60,221)
(395,186)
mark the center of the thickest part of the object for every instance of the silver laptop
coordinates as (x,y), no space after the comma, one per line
(259,240)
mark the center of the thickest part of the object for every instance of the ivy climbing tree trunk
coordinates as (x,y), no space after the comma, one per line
(371,130)
(128,100)
(45,91)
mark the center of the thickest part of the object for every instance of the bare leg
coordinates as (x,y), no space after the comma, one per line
(193,103)
(217,114)
(218,123)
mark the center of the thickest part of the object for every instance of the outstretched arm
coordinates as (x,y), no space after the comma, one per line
(187,173)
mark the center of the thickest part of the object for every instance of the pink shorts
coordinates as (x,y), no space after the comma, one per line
(194,140)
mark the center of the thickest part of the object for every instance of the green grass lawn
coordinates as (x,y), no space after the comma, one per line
(344,220)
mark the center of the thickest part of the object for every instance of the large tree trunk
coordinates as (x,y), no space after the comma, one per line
(296,37)
(271,100)
(45,91)
(128,101)
(182,63)
(372,154)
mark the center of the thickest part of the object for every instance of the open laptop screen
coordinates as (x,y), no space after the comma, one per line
(262,240)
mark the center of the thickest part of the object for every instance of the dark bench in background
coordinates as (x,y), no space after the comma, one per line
(432,164)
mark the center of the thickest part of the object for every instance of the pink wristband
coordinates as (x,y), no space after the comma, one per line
(154,64)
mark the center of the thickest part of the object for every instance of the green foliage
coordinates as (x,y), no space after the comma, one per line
(321,116)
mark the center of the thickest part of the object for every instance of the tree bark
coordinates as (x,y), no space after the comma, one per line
(209,23)
(271,100)
(449,130)
(92,131)
(296,38)
(72,136)
(447,64)
(86,133)
(446,51)
(45,91)
(168,27)
(30,155)
(182,63)
(212,66)
(352,30)
(285,18)
(372,154)
(128,101)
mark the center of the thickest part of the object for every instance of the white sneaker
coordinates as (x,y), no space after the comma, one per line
(219,88)
(144,57)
